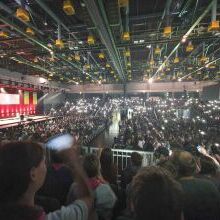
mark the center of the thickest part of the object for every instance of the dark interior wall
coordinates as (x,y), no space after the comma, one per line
(53,100)
(59,99)
(211,92)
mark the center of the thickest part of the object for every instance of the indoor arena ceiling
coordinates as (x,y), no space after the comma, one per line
(111,41)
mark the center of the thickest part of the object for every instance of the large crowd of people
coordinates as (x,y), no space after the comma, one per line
(171,123)
(183,183)
(82,118)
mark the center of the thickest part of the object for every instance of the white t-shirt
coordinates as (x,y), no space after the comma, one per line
(75,211)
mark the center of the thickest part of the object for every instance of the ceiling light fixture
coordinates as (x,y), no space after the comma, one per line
(184,39)
(68,7)
(150,80)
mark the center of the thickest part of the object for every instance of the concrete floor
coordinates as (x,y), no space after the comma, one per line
(106,138)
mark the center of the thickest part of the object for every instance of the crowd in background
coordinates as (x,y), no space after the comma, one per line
(183,183)
(170,123)
(82,118)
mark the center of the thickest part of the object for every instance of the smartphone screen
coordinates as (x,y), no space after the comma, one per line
(60,142)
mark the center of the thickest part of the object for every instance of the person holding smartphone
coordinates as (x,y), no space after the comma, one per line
(22,173)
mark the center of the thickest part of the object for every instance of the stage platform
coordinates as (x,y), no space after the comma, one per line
(15,121)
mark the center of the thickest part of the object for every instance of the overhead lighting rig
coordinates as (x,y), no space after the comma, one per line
(157,50)
(30,31)
(68,7)
(189,47)
(204,59)
(23,14)
(167,31)
(126,36)
(91,40)
(59,43)
(214,26)
(123,3)
(4,34)
(101,56)
(176,59)
(77,57)
(127,53)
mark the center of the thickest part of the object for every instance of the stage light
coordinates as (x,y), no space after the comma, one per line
(150,80)
(3,90)
(42,80)
(183,39)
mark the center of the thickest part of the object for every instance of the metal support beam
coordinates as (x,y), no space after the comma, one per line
(52,15)
(28,63)
(99,18)
(201,68)
(166,10)
(15,27)
(60,23)
(214,10)
(186,35)
(9,11)
(39,43)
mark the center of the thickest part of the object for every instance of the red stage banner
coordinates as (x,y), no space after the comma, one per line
(17,103)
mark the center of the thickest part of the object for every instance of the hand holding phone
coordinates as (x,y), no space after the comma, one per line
(60,142)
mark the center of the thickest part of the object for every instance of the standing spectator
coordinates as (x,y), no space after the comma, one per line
(104,196)
(108,168)
(156,195)
(58,179)
(130,171)
(201,197)
(22,173)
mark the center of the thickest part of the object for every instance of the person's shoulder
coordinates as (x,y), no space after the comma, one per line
(203,181)
(105,195)
(200,184)
(104,187)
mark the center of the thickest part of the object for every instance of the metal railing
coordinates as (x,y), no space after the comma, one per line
(121,156)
